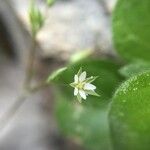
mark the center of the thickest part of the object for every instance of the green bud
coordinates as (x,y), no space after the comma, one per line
(50,2)
(36,18)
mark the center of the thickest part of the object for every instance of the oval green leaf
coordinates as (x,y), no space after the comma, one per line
(130,114)
(131,29)
(87,126)
(87,123)
(108,79)
(134,68)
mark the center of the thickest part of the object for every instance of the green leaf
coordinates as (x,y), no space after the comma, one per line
(130,114)
(86,126)
(108,80)
(131,29)
(134,68)
(87,122)
(83,54)
(55,75)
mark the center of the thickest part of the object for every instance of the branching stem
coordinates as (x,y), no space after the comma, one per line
(27,89)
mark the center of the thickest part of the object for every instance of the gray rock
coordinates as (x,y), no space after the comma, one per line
(72,26)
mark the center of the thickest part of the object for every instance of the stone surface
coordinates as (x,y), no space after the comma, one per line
(72,26)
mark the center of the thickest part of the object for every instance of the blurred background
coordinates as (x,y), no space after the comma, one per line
(71,26)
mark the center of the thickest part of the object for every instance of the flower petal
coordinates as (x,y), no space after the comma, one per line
(76,91)
(89,86)
(82,94)
(75,79)
(82,76)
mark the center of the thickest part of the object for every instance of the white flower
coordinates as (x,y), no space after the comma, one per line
(82,85)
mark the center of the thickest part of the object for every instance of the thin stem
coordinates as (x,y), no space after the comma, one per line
(30,64)
(12,111)
(4,120)
(28,90)
(38,87)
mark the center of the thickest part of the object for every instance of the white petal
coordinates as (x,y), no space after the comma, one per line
(75,79)
(89,86)
(82,94)
(82,76)
(75,91)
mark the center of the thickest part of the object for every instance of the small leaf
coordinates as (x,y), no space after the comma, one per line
(80,55)
(55,74)
(134,68)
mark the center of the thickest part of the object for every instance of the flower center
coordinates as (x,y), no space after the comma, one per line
(80,85)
